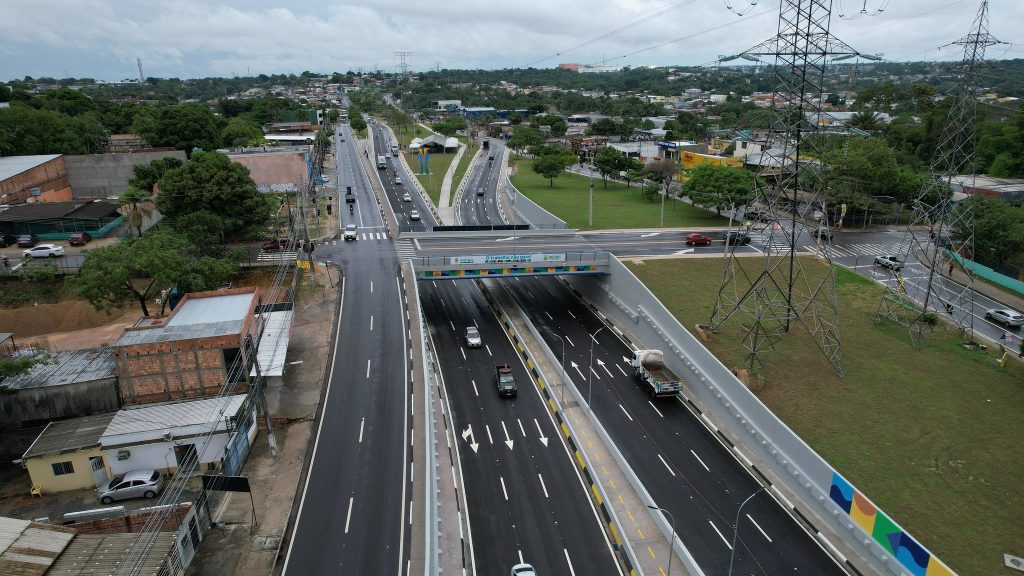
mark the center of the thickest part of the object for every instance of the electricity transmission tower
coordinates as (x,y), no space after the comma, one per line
(402,64)
(927,239)
(770,295)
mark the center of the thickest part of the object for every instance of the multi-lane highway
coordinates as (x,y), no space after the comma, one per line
(356,493)
(526,501)
(477,205)
(682,465)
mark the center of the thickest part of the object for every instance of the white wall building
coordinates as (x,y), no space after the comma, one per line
(162,436)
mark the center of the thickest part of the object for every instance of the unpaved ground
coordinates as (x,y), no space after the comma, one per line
(64,316)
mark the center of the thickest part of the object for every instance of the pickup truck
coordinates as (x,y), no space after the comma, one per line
(349,198)
(649,367)
(505,381)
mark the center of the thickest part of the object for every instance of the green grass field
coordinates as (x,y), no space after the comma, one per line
(438,167)
(932,436)
(616,206)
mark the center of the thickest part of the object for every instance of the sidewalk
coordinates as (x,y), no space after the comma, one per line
(238,546)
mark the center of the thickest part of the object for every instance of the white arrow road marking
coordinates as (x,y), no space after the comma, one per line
(687,251)
(748,517)
(652,234)
(601,364)
(577,368)
(509,239)
(626,360)
(468,433)
(508,441)
(543,438)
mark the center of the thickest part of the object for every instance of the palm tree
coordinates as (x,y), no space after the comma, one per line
(867,120)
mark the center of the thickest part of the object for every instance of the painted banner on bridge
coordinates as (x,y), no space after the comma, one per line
(507,259)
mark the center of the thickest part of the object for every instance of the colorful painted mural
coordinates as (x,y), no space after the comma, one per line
(912,555)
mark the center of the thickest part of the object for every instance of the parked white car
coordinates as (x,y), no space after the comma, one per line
(134,484)
(44,250)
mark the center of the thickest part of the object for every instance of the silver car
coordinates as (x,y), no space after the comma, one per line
(523,570)
(134,484)
(472,338)
(1007,318)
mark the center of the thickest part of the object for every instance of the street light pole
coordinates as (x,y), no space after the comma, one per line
(736,527)
(663,204)
(590,387)
(590,213)
(672,541)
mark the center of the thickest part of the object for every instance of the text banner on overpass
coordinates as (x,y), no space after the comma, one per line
(498,265)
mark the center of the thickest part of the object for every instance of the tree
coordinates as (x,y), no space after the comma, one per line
(524,136)
(355,119)
(139,269)
(240,132)
(187,127)
(449,126)
(550,166)
(998,229)
(867,120)
(134,201)
(146,175)
(25,130)
(866,167)
(719,187)
(608,161)
(203,229)
(212,182)
(68,101)
(663,171)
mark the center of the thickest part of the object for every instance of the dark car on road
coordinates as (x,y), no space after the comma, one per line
(7,239)
(27,240)
(822,233)
(286,244)
(697,239)
(79,238)
(737,237)
(505,381)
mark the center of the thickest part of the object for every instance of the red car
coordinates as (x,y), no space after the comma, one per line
(79,238)
(697,239)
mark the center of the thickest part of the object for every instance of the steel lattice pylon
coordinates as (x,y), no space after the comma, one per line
(778,292)
(926,239)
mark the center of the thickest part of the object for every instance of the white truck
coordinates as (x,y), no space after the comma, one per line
(649,367)
(381,163)
(394,150)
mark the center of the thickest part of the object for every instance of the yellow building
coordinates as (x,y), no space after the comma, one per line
(67,455)
(690,159)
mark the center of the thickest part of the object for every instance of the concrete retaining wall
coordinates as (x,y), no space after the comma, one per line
(104,175)
(530,211)
(822,494)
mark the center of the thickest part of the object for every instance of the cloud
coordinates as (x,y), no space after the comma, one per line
(189,38)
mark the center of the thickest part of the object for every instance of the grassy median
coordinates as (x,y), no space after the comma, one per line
(932,436)
(615,206)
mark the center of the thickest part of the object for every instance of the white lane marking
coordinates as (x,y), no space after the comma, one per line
(626,413)
(434,282)
(655,408)
(571,314)
(521,429)
(549,315)
(371,286)
(508,440)
(545,488)
(520,556)
(503,491)
(569,340)
(666,465)
(371,323)
(621,370)
(348,517)
(763,533)
(463,350)
(474,387)
(569,562)
(543,438)
(488,350)
(594,372)
(701,461)
(361,424)
(715,528)
(489,437)
(450,322)
(367,367)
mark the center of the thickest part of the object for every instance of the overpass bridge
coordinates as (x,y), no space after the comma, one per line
(472,266)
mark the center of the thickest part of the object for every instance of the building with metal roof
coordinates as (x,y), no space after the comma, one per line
(190,354)
(70,384)
(57,220)
(31,548)
(104,554)
(67,455)
(33,178)
(161,436)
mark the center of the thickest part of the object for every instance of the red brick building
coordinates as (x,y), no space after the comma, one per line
(189,354)
(41,178)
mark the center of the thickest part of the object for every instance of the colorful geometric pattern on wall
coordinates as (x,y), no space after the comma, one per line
(910,554)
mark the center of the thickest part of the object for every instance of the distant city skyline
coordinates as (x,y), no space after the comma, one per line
(101,39)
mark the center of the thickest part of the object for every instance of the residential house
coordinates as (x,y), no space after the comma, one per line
(67,455)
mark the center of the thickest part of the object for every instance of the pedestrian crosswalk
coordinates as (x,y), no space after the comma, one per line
(853,250)
(405,249)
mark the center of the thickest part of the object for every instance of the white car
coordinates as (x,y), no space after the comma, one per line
(891,262)
(406,197)
(351,232)
(326,178)
(398,180)
(523,570)
(48,250)
(472,337)
(414,215)
(1008,318)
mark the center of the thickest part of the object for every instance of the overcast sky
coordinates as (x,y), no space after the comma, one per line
(187,38)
